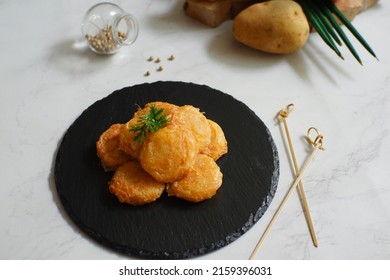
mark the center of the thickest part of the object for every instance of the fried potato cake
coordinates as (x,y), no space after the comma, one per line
(201,183)
(180,153)
(193,119)
(126,140)
(168,153)
(132,185)
(107,148)
(169,109)
(218,144)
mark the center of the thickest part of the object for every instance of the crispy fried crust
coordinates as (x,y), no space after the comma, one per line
(195,121)
(218,144)
(169,109)
(201,183)
(127,143)
(132,185)
(107,148)
(126,140)
(168,153)
(182,154)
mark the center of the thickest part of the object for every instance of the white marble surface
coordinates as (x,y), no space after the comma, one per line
(48,78)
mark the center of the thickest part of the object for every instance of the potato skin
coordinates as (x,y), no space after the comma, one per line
(278,26)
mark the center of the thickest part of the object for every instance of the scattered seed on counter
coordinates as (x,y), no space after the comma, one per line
(157,61)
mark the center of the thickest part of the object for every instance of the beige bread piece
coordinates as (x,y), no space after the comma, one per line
(215,12)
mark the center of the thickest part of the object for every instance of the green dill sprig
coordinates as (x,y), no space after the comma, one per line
(147,123)
(323,16)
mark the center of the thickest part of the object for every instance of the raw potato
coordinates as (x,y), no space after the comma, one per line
(278,26)
(215,12)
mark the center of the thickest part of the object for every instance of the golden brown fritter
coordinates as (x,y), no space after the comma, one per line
(169,109)
(107,148)
(168,153)
(126,141)
(195,121)
(218,144)
(132,185)
(180,153)
(201,183)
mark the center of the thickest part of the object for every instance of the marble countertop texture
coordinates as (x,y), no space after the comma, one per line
(48,77)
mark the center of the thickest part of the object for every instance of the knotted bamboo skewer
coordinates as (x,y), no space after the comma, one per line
(283,115)
(317,143)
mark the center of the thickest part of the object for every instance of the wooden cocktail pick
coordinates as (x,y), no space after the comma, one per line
(283,115)
(317,143)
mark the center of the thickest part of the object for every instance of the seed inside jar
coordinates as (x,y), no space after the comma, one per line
(103,42)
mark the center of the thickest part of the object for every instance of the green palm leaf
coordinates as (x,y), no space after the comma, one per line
(322,15)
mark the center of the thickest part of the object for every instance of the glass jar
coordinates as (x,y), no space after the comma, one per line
(107,28)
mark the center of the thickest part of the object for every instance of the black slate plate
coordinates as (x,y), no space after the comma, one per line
(168,228)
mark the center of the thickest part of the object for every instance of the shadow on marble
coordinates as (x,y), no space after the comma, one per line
(223,48)
(173,20)
(74,57)
(325,62)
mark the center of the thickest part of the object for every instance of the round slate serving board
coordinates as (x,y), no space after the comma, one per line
(168,228)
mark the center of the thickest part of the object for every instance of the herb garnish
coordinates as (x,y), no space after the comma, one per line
(148,123)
